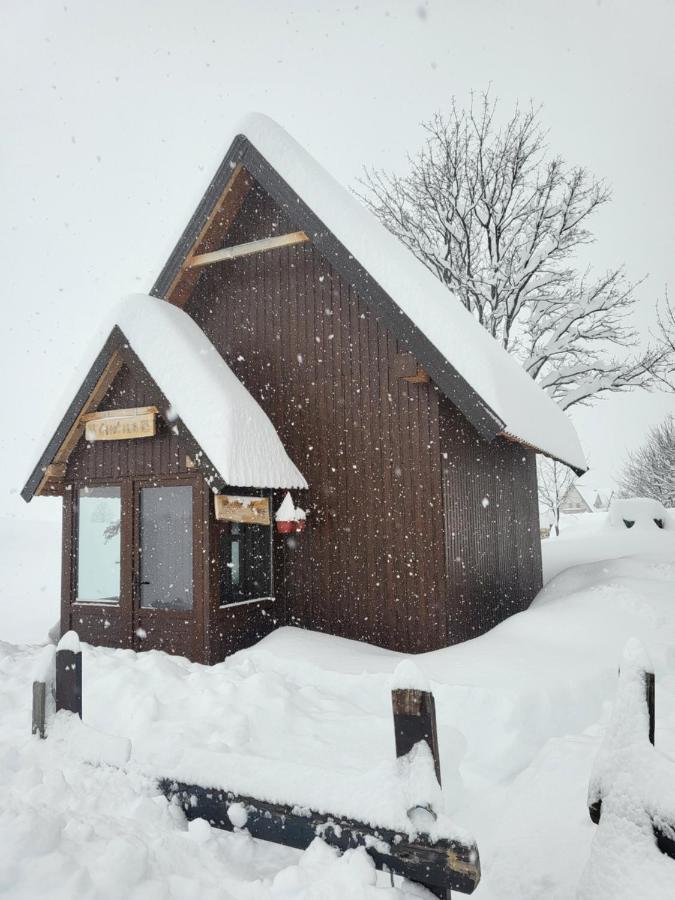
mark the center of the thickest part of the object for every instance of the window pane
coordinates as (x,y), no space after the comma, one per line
(98,544)
(166,547)
(245,562)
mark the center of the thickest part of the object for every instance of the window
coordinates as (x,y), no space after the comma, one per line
(99,518)
(245,558)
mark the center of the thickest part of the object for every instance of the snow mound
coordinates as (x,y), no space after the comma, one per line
(639,513)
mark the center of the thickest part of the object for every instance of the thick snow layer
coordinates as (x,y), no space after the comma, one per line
(225,420)
(590,537)
(521,715)
(528,413)
(70,641)
(29,593)
(229,425)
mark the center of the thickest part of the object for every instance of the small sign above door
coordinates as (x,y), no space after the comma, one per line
(249,510)
(120,424)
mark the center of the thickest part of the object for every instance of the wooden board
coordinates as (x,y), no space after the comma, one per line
(248,249)
(120,424)
(440,864)
(249,510)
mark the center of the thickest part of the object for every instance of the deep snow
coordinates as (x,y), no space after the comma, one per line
(521,713)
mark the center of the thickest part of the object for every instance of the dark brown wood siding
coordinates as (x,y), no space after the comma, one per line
(162,455)
(372,563)
(493,547)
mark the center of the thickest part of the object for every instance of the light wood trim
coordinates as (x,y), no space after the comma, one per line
(421,377)
(118,413)
(226,209)
(73,436)
(261,246)
(250,510)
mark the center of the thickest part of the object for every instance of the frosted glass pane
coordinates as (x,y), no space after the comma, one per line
(98,544)
(166,547)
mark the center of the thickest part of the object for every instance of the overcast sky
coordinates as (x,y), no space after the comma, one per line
(113,117)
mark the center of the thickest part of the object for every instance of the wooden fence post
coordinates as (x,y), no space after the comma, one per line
(595,809)
(69,674)
(43,688)
(414,721)
(39,707)
(650,697)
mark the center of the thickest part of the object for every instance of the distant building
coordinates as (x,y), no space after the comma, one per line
(582,498)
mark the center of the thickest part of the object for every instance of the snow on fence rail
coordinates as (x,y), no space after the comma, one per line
(428,851)
(423,853)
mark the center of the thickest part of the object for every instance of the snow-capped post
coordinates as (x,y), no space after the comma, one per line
(635,665)
(43,686)
(414,712)
(69,674)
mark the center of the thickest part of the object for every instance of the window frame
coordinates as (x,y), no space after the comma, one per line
(224,526)
(108,602)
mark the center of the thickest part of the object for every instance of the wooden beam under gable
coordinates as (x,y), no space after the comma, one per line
(211,233)
(56,469)
(248,249)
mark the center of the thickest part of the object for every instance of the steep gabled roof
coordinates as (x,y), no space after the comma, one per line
(467,364)
(239,443)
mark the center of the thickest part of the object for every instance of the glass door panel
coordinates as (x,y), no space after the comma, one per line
(99,516)
(165,548)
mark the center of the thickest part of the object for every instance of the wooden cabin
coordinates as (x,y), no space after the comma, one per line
(292,345)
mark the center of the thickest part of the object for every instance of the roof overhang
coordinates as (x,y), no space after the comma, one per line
(218,383)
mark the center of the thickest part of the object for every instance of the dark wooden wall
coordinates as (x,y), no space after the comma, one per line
(492,541)
(210,633)
(163,455)
(372,563)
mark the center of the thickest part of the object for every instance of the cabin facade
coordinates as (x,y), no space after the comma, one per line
(275,356)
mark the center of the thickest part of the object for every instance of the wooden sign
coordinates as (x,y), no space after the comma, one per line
(249,510)
(120,424)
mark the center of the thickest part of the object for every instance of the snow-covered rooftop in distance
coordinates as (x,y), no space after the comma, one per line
(225,420)
(528,413)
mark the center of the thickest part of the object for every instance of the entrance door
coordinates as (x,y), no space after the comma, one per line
(167,600)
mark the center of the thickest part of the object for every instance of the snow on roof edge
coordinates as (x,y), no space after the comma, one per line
(224,418)
(226,421)
(528,413)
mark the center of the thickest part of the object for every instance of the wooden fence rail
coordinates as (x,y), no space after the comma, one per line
(441,865)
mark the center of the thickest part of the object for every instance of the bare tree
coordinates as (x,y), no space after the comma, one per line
(554,479)
(650,471)
(499,221)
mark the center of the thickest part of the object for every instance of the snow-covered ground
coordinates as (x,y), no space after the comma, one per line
(307,717)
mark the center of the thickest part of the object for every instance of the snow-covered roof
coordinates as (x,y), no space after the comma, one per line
(225,420)
(526,411)
(230,427)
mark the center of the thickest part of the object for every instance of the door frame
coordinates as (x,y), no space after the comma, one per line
(170,617)
(128,611)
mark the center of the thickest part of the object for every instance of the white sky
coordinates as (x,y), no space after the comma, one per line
(113,116)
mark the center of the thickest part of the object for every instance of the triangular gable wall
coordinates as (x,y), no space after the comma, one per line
(221,204)
(49,474)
